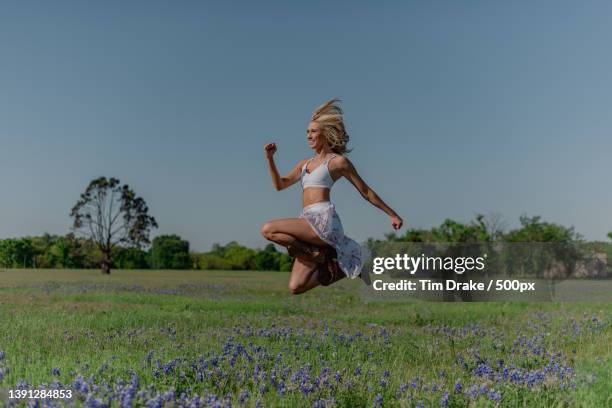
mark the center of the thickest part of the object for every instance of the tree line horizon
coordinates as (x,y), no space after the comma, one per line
(112,227)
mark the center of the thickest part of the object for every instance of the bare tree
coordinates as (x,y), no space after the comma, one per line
(111,215)
(495,225)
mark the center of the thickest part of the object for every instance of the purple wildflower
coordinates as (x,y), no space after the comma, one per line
(458,387)
(244,395)
(444,400)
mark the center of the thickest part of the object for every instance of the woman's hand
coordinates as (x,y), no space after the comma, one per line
(270,149)
(396,222)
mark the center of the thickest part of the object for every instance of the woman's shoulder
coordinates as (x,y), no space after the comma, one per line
(303,162)
(339,165)
(340,161)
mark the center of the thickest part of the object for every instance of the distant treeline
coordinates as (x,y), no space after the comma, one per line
(491,229)
(165,252)
(173,252)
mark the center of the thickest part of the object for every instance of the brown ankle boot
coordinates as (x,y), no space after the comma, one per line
(307,252)
(330,271)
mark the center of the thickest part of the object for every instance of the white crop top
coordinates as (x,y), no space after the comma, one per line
(319,177)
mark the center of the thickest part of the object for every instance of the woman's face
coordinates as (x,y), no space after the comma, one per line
(314,136)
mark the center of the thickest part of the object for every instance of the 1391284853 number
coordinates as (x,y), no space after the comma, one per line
(39,394)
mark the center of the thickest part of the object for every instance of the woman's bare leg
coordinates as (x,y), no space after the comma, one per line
(304,276)
(286,231)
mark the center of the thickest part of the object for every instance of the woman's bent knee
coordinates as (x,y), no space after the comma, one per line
(296,288)
(267,230)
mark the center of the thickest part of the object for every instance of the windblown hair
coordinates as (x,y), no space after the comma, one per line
(331,123)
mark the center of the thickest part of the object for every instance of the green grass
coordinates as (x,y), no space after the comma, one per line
(89,324)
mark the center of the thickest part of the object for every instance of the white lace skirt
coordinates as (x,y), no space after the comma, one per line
(325,221)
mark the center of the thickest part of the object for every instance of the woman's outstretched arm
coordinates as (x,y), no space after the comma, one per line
(279,182)
(348,170)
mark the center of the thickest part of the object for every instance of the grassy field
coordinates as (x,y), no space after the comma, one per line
(228,338)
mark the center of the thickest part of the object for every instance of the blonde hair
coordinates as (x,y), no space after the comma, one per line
(329,118)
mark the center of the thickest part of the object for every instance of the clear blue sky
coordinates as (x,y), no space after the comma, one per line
(453,108)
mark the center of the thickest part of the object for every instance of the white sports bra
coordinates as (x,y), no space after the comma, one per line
(319,177)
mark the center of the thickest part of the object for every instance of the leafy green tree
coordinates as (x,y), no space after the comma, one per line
(610,235)
(286,262)
(92,256)
(239,257)
(554,243)
(448,231)
(132,258)
(533,229)
(170,252)
(65,252)
(212,261)
(16,253)
(452,231)
(111,215)
(234,256)
(41,245)
(269,259)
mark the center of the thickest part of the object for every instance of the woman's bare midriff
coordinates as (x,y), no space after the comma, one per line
(313,195)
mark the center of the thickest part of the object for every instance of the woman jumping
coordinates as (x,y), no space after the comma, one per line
(322,253)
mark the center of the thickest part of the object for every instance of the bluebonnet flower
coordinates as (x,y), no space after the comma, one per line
(458,387)
(483,370)
(472,392)
(168,395)
(319,404)
(444,400)
(244,395)
(495,396)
